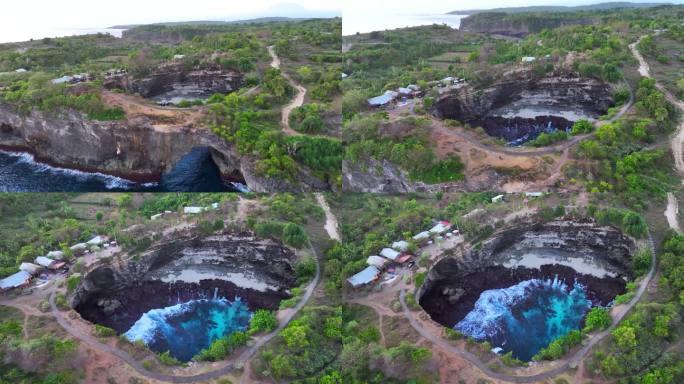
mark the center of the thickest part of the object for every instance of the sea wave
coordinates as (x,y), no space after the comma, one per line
(110,182)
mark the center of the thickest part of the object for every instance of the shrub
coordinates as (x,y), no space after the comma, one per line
(262,321)
(166,359)
(102,331)
(597,318)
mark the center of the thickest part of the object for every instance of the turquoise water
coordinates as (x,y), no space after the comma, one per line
(187,328)
(526,317)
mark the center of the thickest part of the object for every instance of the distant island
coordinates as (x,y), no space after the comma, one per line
(560,8)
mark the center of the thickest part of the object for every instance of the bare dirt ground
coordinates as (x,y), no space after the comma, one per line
(162,118)
(672,211)
(330,219)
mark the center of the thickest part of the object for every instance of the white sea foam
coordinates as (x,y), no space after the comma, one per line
(486,318)
(111,182)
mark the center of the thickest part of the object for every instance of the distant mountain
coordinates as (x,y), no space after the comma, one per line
(276,13)
(561,8)
(213,22)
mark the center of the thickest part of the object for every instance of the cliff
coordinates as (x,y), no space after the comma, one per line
(138,148)
(560,88)
(455,283)
(520,25)
(117,292)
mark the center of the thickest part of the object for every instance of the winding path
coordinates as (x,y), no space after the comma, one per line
(298,100)
(568,362)
(677,140)
(239,361)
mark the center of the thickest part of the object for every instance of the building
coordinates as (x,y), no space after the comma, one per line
(534,194)
(193,210)
(382,100)
(178,57)
(97,240)
(49,263)
(528,59)
(21,70)
(440,228)
(390,254)
(401,246)
(367,276)
(31,268)
(79,248)
(425,235)
(56,255)
(344,75)
(62,80)
(19,279)
(377,261)
(157,216)
(497,198)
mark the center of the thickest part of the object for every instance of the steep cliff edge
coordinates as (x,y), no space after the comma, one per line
(117,292)
(455,283)
(519,25)
(139,148)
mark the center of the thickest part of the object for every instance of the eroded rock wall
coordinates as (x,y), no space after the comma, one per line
(117,292)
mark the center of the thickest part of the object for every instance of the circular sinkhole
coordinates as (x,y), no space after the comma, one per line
(183,293)
(529,285)
(522,106)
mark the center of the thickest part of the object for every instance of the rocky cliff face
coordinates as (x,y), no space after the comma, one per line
(454,284)
(175,76)
(560,89)
(116,293)
(134,149)
(517,25)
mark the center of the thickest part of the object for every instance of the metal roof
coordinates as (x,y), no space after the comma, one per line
(422,236)
(389,253)
(44,261)
(16,280)
(400,245)
(364,277)
(383,99)
(376,261)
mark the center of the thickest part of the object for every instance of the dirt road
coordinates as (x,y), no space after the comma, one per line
(330,219)
(672,209)
(297,101)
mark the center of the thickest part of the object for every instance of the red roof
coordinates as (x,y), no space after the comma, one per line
(403,258)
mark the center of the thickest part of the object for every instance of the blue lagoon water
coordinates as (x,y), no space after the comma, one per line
(526,317)
(187,328)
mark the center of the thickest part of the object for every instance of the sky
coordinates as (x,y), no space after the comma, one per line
(24,19)
(377,15)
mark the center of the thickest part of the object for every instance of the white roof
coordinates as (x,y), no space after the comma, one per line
(78,246)
(497,198)
(404,91)
(422,236)
(215,205)
(193,209)
(439,228)
(528,59)
(376,261)
(389,253)
(97,240)
(400,245)
(61,80)
(176,57)
(30,267)
(21,70)
(44,261)
(57,255)
(534,194)
(157,216)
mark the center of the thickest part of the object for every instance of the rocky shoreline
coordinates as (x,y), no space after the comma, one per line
(448,302)
(117,292)
(454,284)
